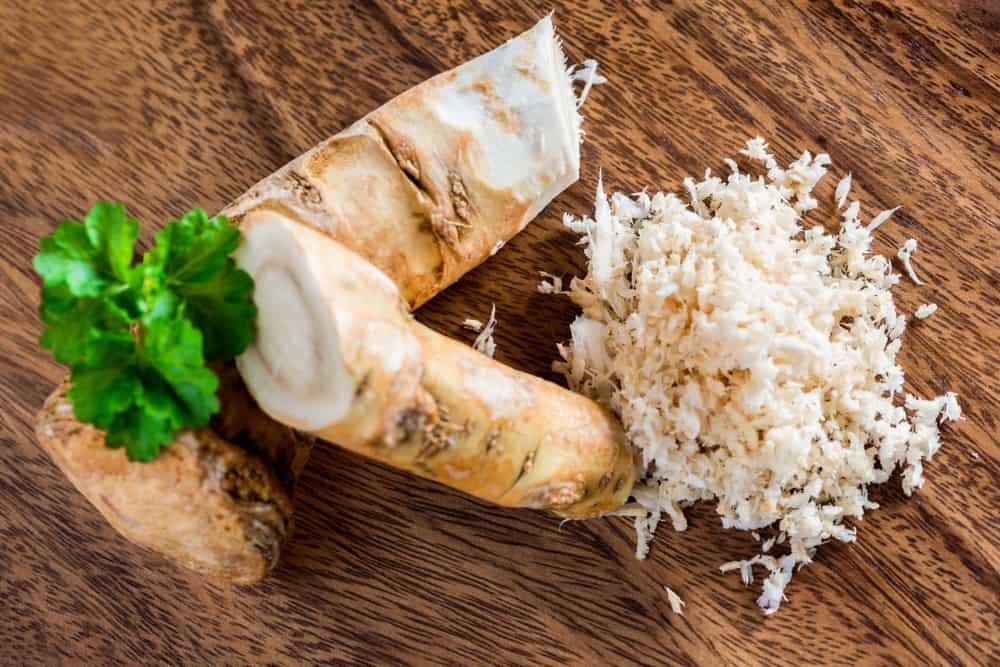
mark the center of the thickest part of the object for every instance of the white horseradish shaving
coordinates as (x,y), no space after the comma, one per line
(904,254)
(550,283)
(752,359)
(484,341)
(587,73)
(676,603)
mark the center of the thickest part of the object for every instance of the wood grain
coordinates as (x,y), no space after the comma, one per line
(165,105)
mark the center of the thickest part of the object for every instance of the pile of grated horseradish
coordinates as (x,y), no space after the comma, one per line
(752,359)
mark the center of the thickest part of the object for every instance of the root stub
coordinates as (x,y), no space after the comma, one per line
(205,502)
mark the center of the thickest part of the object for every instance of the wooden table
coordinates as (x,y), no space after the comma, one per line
(165,105)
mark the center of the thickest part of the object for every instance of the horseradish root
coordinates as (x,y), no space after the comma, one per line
(338,355)
(428,185)
(207,502)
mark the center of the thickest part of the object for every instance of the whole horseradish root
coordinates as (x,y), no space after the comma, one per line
(339,356)
(426,187)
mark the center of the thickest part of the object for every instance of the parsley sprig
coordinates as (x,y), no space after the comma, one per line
(137,337)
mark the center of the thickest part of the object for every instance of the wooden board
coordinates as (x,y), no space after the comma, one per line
(165,105)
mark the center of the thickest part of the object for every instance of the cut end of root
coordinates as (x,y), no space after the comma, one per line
(294,368)
(563,125)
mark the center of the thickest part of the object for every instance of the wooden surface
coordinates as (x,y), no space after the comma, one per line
(165,105)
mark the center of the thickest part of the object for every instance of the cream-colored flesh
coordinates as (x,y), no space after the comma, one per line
(289,358)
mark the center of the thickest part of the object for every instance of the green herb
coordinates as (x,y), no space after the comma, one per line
(137,337)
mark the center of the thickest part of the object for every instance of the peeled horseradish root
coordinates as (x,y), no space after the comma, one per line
(425,187)
(339,356)
(432,183)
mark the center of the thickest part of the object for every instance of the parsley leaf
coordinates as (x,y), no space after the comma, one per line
(161,387)
(193,255)
(87,257)
(112,234)
(142,432)
(137,337)
(221,309)
(172,347)
(83,266)
(108,382)
(73,321)
(196,246)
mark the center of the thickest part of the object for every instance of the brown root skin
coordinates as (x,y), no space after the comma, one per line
(204,502)
(533,444)
(372,379)
(406,211)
